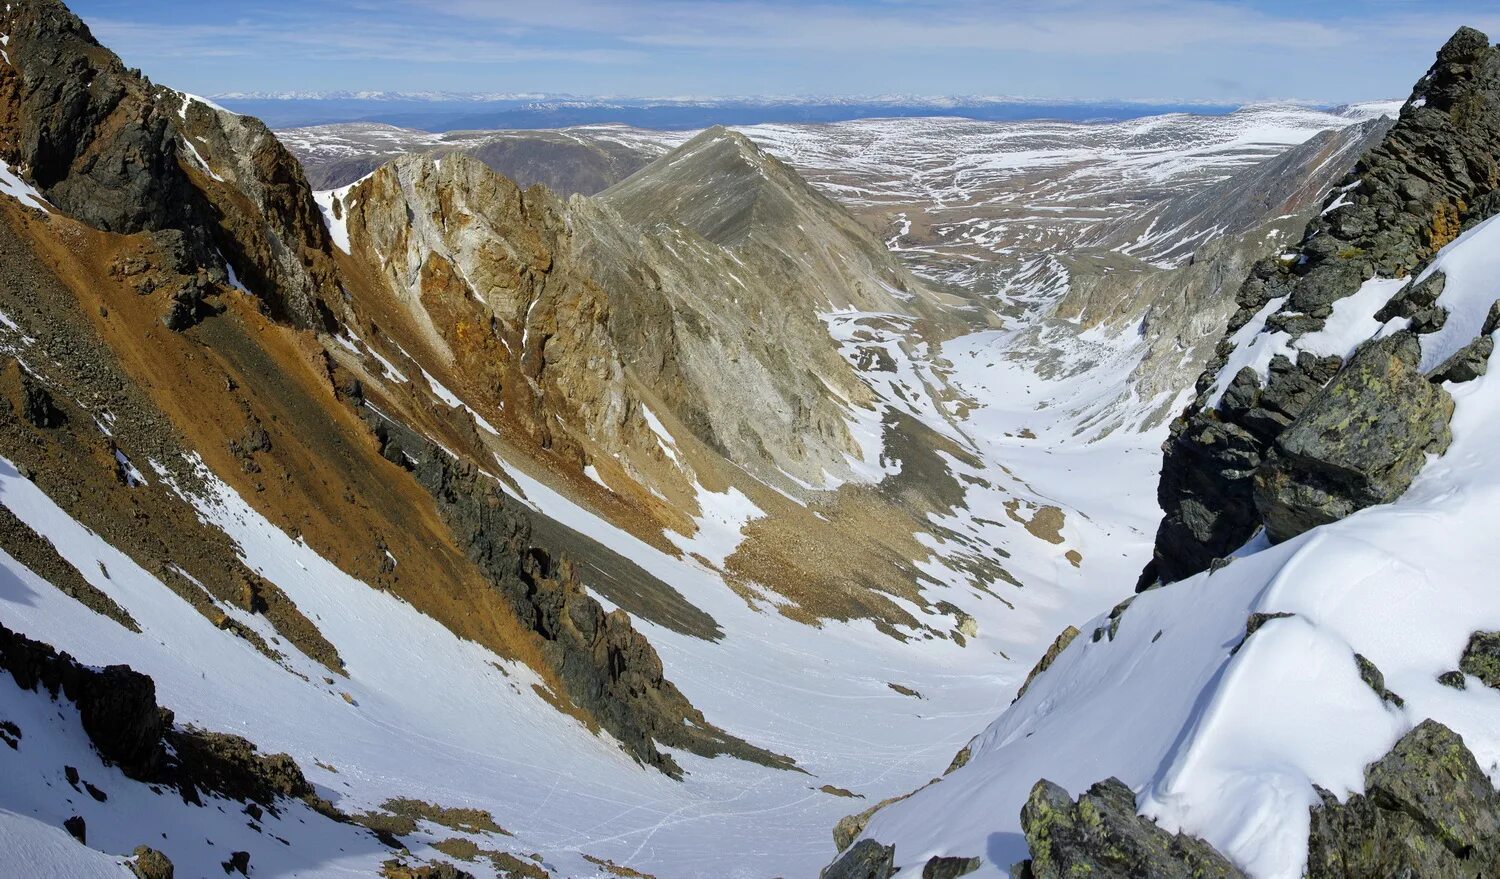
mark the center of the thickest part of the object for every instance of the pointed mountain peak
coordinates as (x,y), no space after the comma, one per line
(1467,43)
(721,185)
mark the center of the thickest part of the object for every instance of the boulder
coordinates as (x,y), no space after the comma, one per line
(150,864)
(868,859)
(1428,811)
(1467,363)
(1481,658)
(1358,443)
(1102,837)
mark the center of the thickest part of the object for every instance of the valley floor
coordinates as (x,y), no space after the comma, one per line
(427,716)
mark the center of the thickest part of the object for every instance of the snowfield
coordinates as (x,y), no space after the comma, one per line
(426,715)
(1227,745)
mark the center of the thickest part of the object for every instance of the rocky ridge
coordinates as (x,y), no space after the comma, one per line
(1433,175)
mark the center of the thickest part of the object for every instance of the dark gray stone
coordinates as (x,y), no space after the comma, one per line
(1467,363)
(1358,443)
(1375,680)
(1433,174)
(1454,679)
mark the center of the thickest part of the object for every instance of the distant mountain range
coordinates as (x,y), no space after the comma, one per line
(446,111)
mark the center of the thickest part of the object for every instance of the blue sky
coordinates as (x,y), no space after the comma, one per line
(1231,50)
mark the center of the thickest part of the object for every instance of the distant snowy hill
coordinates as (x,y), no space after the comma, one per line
(440,111)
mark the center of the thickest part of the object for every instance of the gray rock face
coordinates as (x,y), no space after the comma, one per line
(868,859)
(1359,442)
(1434,174)
(1102,837)
(1429,811)
(1467,363)
(96,145)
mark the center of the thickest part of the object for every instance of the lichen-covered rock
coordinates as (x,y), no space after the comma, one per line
(868,859)
(1358,443)
(1428,811)
(1255,622)
(1481,658)
(1375,680)
(149,863)
(1101,837)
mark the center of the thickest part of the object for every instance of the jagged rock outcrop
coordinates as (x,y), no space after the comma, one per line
(868,859)
(118,711)
(117,706)
(1059,644)
(1428,810)
(122,155)
(1102,837)
(149,863)
(939,867)
(1436,171)
(1357,443)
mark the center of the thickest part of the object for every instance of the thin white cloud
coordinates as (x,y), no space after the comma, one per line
(1080,27)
